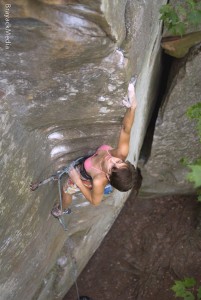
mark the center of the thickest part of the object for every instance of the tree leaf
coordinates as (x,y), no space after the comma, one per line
(181,10)
(199,197)
(199,128)
(174,18)
(195,175)
(194,111)
(177,18)
(199,293)
(179,289)
(189,282)
(180,28)
(191,3)
(189,296)
(194,17)
(184,161)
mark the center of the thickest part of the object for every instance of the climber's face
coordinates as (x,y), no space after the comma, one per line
(114,162)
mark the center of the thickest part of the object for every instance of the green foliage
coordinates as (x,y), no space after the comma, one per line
(194,175)
(194,113)
(199,293)
(199,196)
(179,17)
(186,289)
(184,161)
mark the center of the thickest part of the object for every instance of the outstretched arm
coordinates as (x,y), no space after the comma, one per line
(124,138)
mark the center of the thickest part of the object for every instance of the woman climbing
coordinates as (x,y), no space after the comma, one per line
(107,165)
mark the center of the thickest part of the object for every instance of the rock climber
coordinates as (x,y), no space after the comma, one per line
(106,165)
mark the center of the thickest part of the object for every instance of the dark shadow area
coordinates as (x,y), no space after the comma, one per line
(166,64)
(152,243)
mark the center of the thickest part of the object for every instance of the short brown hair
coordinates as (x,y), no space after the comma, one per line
(126,178)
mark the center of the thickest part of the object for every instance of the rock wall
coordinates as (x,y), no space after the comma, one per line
(175,136)
(62,82)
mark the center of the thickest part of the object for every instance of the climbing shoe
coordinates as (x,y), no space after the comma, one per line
(57,212)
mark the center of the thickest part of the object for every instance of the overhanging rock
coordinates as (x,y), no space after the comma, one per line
(61,87)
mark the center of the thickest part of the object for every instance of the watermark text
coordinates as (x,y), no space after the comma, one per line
(7,26)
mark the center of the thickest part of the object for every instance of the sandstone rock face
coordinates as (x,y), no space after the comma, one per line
(175,136)
(62,81)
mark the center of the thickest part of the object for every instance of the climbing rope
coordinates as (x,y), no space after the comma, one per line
(70,248)
(61,218)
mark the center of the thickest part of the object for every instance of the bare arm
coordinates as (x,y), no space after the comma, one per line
(95,195)
(124,138)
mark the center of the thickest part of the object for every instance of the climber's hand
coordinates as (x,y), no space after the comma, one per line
(74,175)
(130,100)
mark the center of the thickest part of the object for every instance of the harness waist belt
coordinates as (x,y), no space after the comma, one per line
(80,165)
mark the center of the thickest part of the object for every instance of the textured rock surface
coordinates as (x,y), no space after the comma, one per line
(175,135)
(179,47)
(61,86)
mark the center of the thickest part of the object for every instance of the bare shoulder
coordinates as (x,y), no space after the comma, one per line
(118,153)
(100,181)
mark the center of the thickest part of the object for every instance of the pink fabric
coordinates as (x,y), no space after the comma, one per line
(104,147)
(88,162)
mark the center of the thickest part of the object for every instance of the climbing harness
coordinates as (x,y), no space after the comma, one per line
(57,177)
